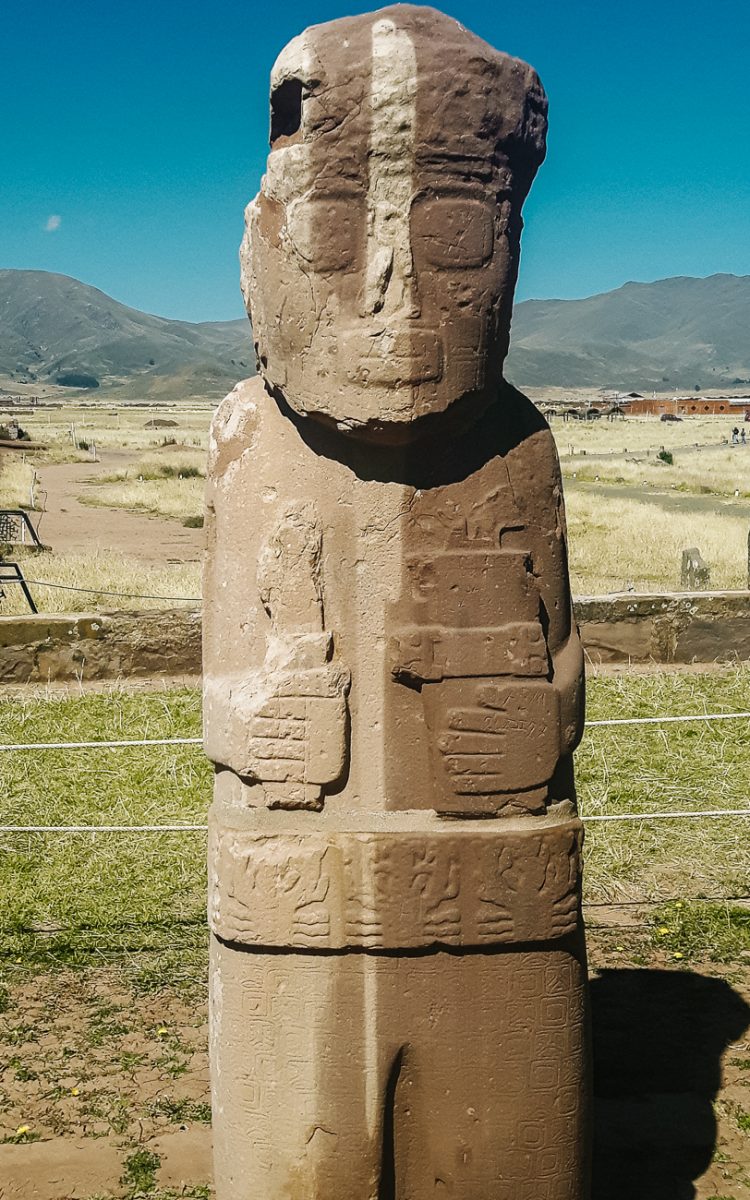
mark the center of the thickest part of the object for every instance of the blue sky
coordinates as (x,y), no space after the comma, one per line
(133,134)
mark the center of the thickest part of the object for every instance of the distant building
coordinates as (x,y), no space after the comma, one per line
(687,406)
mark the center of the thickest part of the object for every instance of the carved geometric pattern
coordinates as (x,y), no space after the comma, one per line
(476,648)
(10,528)
(285,724)
(492,1103)
(375,890)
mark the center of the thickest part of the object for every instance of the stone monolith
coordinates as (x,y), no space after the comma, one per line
(393,678)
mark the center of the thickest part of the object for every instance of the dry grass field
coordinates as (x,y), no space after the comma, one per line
(16,481)
(630,515)
(620,544)
(636,435)
(102,582)
(168,482)
(119,428)
(709,472)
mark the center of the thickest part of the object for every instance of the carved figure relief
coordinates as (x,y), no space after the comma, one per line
(462,886)
(285,726)
(477,651)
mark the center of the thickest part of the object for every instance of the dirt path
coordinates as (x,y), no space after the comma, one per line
(647,452)
(687,502)
(67,525)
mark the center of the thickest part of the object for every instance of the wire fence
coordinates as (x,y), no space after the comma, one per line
(598,909)
(120,744)
(123,743)
(68,587)
(657,815)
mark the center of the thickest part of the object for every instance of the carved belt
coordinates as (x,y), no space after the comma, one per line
(457,883)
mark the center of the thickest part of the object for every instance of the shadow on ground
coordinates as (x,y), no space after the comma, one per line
(658,1038)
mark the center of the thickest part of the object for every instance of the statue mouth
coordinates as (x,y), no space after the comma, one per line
(390,357)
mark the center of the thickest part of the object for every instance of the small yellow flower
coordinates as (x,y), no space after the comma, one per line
(74,1091)
(679,904)
(677,954)
(619,948)
(22,1129)
(161,1031)
(662,930)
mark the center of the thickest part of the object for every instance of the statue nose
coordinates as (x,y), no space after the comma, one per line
(389,277)
(389,284)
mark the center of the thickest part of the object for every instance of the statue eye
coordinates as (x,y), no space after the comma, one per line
(328,231)
(452,233)
(286,110)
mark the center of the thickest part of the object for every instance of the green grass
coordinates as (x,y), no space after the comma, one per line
(181,1110)
(82,898)
(139,1176)
(67,896)
(201,1192)
(688,930)
(701,765)
(22,1137)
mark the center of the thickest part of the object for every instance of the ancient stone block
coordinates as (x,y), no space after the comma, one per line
(695,573)
(393,677)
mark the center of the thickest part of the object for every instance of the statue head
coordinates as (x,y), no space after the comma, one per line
(381,253)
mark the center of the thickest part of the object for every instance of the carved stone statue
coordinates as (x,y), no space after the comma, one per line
(393,679)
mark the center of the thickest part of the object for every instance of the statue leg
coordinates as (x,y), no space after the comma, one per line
(491,1098)
(399,1076)
(301,1062)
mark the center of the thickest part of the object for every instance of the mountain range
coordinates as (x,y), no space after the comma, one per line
(681,333)
(674,333)
(53,327)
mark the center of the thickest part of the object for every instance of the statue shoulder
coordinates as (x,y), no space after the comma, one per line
(237,423)
(527,438)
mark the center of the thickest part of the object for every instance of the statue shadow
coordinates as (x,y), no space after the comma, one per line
(658,1040)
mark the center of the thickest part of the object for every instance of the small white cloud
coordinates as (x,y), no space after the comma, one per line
(53,223)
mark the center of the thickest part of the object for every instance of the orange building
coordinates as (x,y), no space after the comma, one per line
(689,406)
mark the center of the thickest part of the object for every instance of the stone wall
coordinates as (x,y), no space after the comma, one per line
(673,628)
(676,627)
(113,645)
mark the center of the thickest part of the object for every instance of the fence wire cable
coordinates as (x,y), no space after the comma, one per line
(185,741)
(68,587)
(103,828)
(668,720)
(193,741)
(656,903)
(668,816)
(197,741)
(648,816)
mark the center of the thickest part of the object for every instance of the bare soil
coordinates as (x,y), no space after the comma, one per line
(67,525)
(98,1069)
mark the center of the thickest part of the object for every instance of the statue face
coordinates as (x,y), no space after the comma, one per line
(381,254)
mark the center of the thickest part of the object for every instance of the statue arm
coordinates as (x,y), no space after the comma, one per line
(546,531)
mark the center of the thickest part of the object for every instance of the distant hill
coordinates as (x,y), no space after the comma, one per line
(53,327)
(676,333)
